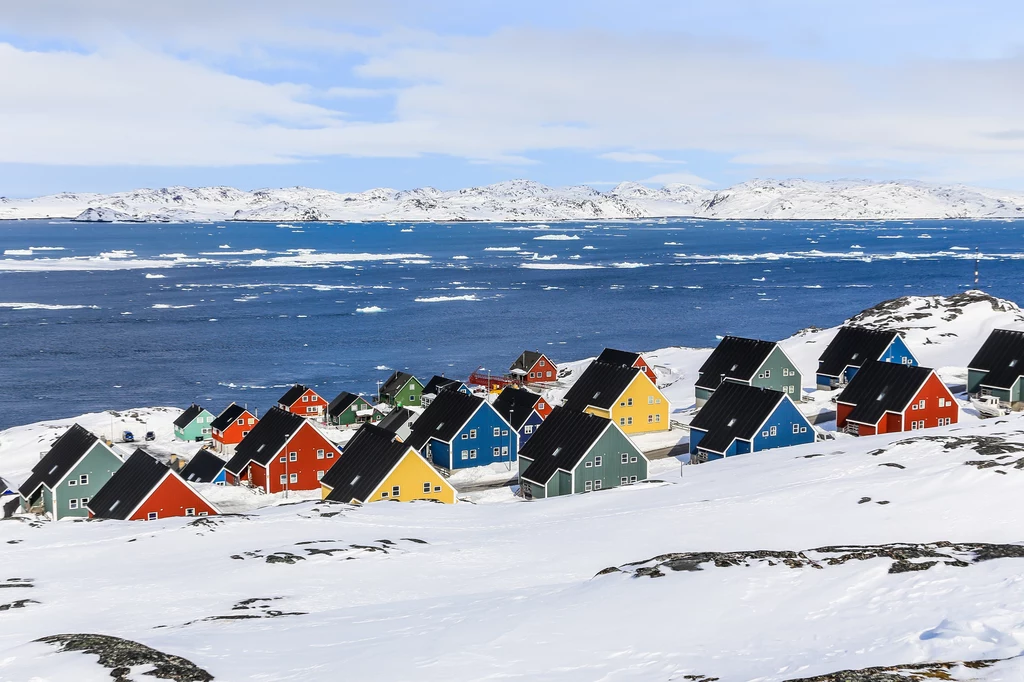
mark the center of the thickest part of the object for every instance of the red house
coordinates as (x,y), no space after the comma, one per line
(883,397)
(283,452)
(143,489)
(628,359)
(231,426)
(533,367)
(303,401)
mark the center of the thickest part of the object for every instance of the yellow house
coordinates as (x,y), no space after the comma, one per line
(626,395)
(376,466)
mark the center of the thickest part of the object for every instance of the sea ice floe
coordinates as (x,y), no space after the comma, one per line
(557,237)
(151,275)
(45,306)
(559,266)
(370,309)
(502,248)
(445,299)
(168,306)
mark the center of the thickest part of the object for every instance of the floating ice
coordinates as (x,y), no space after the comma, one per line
(370,309)
(445,299)
(556,237)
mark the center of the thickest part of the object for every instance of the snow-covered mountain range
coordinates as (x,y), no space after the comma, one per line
(524,200)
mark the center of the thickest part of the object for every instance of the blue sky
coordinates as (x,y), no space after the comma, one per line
(105,95)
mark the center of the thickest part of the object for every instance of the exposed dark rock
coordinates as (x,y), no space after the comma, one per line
(284,558)
(901,673)
(892,464)
(17,582)
(17,604)
(864,500)
(120,655)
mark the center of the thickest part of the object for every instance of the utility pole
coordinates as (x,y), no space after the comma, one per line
(977,260)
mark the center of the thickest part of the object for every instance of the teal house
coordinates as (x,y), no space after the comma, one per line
(194,424)
(66,478)
(748,361)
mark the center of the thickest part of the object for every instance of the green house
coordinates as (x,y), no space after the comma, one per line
(348,408)
(66,478)
(194,424)
(998,368)
(577,452)
(748,361)
(401,390)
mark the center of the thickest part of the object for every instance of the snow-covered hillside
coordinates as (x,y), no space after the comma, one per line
(523,200)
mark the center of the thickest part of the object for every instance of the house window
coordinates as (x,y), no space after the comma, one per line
(531,375)
(84,479)
(412,397)
(632,459)
(190,511)
(204,513)
(504,450)
(330,455)
(767,374)
(241,422)
(251,421)
(310,410)
(426,487)
(73,481)
(549,374)
(624,480)
(497,452)
(764,434)
(597,485)
(293,478)
(588,486)
(773,431)
(622,421)
(465,454)
(284,479)
(796,428)
(283,459)
(152,516)
(632,479)
(320,454)
(657,418)
(395,491)
(528,428)
(588,465)
(541,363)
(244,434)
(540,405)
(472,453)
(437,488)
(465,436)
(650,419)
(85,501)
(803,429)
(384,493)
(497,432)
(319,475)
(73,504)
(921,403)
(650,400)
(625,458)
(598,460)
(293,457)
(629,421)
(305,398)
(504,432)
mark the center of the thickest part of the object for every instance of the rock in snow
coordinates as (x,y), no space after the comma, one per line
(524,200)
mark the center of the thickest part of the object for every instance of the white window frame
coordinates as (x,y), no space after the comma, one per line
(190,511)
(320,475)
(152,516)
(773,431)
(624,480)
(396,491)
(284,479)
(73,503)
(598,460)
(624,458)
(293,478)
(597,484)
(83,479)
(320,454)
(293,457)
(588,486)
(426,487)
(464,454)
(497,432)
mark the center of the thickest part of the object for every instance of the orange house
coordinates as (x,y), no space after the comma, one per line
(533,367)
(231,426)
(628,359)
(303,401)
(143,489)
(883,397)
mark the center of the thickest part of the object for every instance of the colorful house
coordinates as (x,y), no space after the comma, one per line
(626,395)
(577,452)
(348,408)
(399,421)
(751,362)
(377,466)
(738,419)
(628,359)
(523,409)
(69,475)
(852,347)
(7,488)
(231,426)
(205,467)
(143,489)
(998,367)
(459,431)
(884,397)
(533,367)
(438,384)
(194,424)
(283,452)
(303,401)
(401,390)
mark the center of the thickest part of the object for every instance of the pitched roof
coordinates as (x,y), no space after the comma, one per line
(128,487)
(618,357)
(6,486)
(880,387)
(443,418)
(395,383)
(341,403)
(734,411)
(515,405)
(228,416)
(367,459)
(187,417)
(265,439)
(396,418)
(852,347)
(736,358)
(560,442)
(63,454)
(1002,356)
(292,395)
(600,385)
(439,383)
(203,467)
(526,360)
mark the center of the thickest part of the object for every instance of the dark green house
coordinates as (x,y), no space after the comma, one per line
(348,408)
(69,475)
(576,452)
(748,361)
(401,390)
(997,368)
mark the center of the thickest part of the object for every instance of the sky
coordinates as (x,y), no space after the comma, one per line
(109,95)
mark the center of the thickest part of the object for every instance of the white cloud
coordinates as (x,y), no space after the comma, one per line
(635,157)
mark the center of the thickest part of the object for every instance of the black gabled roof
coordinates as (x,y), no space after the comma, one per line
(292,395)
(600,386)
(395,383)
(1002,356)
(266,438)
(63,454)
(341,402)
(228,416)
(526,360)
(367,459)
(439,383)
(734,411)
(852,347)
(186,417)
(448,413)
(515,405)
(618,357)
(396,418)
(128,487)
(880,387)
(735,358)
(7,486)
(203,467)
(560,442)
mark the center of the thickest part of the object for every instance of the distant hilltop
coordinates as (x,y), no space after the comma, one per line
(524,200)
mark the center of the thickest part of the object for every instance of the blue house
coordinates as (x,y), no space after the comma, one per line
(524,410)
(438,384)
(458,431)
(738,419)
(852,347)
(205,467)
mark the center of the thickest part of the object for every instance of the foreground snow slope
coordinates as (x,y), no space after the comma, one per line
(524,200)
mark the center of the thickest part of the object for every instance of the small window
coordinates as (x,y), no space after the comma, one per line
(84,479)
(632,479)
(549,374)
(629,421)
(283,459)
(650,400)
(204,513)
(773,431)
(629,402)
(796,428)
(497,432)
(622,421)
(625,458)
(588,465)
(803,429)
(330,454)
(251,421)
(504,432)
(384,493)
(320,454)
(241,422)
(319,475)
(528,428)
(597,485)
(764,434)
(465,436)
(657,418)
(588,486)
(540,405)
(472,453)
(437,488)
(293,478)
(497,452)
(767,374)
(921,403)
(472,433)
(650,419)
(293,457)
(190,511)
(73,504)
(426,487)
(412,398)
(531,375)
(396,491)
(310,410)
(541,363)
(504,450)
(72,481)
(633,460)
(465,454)
(244,434)
(597,460)
(624,480)
(305,398)
(284,479)
(85,501)
(152,516)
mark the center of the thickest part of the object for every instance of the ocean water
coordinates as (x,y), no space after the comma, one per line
(117,316)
